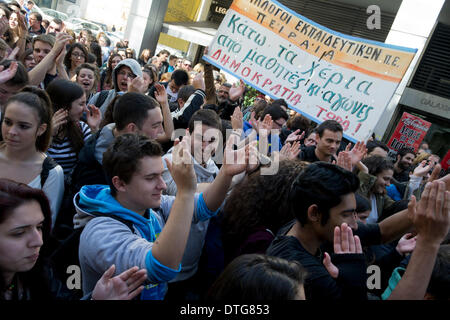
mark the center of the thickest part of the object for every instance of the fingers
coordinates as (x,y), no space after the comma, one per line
(135,293)
(128,273)
(108,273)
(351,241)
(136,279)
(435,173)
(331,268)
(440,189)
(344,238)
(358,246)
(337,240)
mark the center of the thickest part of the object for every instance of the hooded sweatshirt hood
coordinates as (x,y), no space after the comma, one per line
(130,63)
(94,200)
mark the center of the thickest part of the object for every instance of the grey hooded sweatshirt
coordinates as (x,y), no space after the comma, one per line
(135,68)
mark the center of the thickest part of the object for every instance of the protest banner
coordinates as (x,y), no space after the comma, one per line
(409,132)
(320,73)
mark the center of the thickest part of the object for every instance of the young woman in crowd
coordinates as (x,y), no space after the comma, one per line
(18,31)
(150,75)
(76,55)
(88,78)
(26,132)
(25,273)
(106,82)
(69,132)
(145,57)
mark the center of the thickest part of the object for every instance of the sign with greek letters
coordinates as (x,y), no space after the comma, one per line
(321,73)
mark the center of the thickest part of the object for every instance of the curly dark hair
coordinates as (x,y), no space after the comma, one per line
(260,200)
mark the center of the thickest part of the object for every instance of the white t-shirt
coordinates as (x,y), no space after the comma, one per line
(53,189)
(373,216)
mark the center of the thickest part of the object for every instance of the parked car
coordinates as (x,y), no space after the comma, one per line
(78,24)
(50,14)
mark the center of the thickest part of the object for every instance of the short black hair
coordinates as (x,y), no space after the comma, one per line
(280,102)
(164,51)
(371,145)
(132,107)
(122,157)
(322,184)
(180,77)
(377,164)
(331,125)
(185,92)
(207,117)
(362,204)
(276,112)
(405,150)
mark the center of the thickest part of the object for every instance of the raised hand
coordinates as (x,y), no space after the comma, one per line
(182,166)
(236,161)
(431,216)
(237,121)
(236,92)
(59,118)
(94,117)
(9,73)
(344,243)
(125,286)
(422,169)
(136,85)
(289,151)
(160,94)
(344,160)
(358,152)
(266,125)
(295,136)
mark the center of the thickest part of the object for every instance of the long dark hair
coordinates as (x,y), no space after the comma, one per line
(63,93)
(12,195)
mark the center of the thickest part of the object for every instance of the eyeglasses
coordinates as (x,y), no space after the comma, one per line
(127,74)
(78,55)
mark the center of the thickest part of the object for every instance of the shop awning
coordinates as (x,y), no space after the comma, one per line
(200,33)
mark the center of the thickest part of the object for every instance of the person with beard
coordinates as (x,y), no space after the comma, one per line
(402,166)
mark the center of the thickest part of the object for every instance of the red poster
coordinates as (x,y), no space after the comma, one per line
(410,132)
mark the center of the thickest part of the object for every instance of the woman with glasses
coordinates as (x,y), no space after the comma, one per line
(76,55)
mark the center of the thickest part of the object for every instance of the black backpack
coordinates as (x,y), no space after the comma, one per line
(62,249)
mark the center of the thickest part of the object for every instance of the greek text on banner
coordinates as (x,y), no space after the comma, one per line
(320,73)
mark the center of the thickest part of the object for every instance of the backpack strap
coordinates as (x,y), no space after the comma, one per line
(101,98)
(47,165)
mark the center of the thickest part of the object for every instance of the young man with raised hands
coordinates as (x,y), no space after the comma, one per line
(126,231)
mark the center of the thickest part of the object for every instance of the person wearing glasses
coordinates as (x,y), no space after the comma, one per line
(127,77)
(76,56)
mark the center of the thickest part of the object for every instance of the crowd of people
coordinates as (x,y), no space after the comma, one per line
(155,179)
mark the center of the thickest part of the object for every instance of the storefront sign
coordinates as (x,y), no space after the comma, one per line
(320,73)
(409,132)
(426,102)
